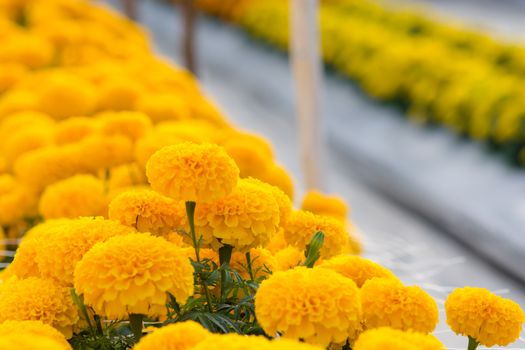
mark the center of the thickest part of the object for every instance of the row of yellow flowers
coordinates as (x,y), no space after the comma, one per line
(147,221)
(466,81)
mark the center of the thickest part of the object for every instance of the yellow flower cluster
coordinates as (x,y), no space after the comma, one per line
(393,339)
(29,329)
(357,268)
(132,274)
(177,336)
(487,318)
(442,81)
(317,305)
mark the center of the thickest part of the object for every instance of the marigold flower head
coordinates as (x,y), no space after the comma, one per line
(79,195)
(484,316)
(233,341)
(132,125)
(16,200)
(14,122)
(393,339)
(190,172)
(262,261)
(73,130)
(277,242)
(284,202)
(302,225)
(317,305)
(251,159)
(388,303)
(118,94)
(76,96)
(357,268)
(176,336)
(24,263)
(163,106)
(38,299)
(25,341)
(278,176)
(60,252)
(148,211)
(33,328)
(288,258)
(126,175)
(25,140)
(245,218)
(322,204)
(132,274)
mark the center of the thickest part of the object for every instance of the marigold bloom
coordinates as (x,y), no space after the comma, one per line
(132,274)
(317,305)
(263,263)
(288,258)
(16,200)
(234,341)
(284,202)
(484,316)
(79,195)
(148,211)
(38,299)
(245,218)
(176,336)
(251,159)
(25,140)
(393,339)
(191,172)
(357,268)
(58,253)
(32,328)
(302,225)
(132,125)
(164,106)
(277,241)
(118,94)
(387,303)
(73,130)
(322,204)
(278,176)
(126,175)
(28,341)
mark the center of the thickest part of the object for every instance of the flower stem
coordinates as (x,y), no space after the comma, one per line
(135,323)
(249,265)
(225,255)
(190,212)
(472,343)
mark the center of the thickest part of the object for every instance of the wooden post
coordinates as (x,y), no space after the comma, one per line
(189,16)
(130,9)
(306,66)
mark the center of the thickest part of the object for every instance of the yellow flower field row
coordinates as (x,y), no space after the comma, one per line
(146,221)
(466,81)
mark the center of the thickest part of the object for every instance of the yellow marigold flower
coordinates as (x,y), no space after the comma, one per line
(60,252)
(302,225)
(284,202)
(25,341)
(80,195)
(278,176)
(125,175)
(329,312)
(393,339)
(161,107)
(73,130)
(100,152)
(25,140)
(263,263)
(12,123)
(33,328)
(245,218)
(16,100)
(11,74)
(288,258)
(277,241)
(322,204)
(118,94)
(17,200)
(38,299)
(24,263)
(132,274)
(357,268)
(484,316)
(76,96)
(31,50)
(191,172)
(249,157)
(387,303)
(233,341)
(133,125)
(176,336)
(148,211)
